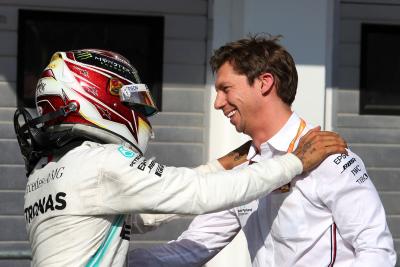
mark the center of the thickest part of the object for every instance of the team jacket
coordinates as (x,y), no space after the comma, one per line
(77,206)
(331,217)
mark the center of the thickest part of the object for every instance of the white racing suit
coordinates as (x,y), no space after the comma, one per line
(146,222)
(77,207)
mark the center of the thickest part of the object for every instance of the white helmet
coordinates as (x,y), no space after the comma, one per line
(100,95)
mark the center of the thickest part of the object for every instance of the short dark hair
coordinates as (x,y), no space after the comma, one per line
(256,55)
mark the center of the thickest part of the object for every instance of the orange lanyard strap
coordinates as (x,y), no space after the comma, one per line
(286,188)
(299,131)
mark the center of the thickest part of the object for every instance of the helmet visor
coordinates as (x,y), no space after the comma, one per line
(138,97)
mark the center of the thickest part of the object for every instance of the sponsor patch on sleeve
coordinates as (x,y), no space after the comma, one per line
(160,170)
(127,153)
(148,166)
(362,178)
(339,159)
(344,162)
(349,164)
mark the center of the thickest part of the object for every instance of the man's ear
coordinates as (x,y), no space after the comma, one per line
(267,82)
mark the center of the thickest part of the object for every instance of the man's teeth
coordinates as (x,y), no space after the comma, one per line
(230,114)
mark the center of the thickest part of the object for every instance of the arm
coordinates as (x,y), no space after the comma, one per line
(124,188)
(131,184)
(235,157)
(148,222)
(205,237)
(357,210)
(227,162)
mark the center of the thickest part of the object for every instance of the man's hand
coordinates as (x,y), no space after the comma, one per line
(235,157)
(316,146)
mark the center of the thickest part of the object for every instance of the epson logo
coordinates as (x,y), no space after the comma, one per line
(339,158)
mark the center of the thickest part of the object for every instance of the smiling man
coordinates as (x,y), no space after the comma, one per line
(329,216)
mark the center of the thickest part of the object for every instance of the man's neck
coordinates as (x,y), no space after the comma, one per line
(271,122)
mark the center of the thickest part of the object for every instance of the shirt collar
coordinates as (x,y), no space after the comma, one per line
(281,140)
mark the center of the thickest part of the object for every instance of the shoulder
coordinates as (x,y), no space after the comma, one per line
(100,155)
(86,146)
(92,148)
(343,175)
(339,165)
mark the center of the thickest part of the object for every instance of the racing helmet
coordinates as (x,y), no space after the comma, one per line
(100,95)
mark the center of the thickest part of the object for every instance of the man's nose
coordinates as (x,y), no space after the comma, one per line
(219,101)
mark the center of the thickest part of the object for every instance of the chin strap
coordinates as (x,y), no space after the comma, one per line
(38,142)
(31,123)
(33,141)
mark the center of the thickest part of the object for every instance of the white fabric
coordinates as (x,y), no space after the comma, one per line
(143,223)
(77,205)
(146,222)
(294,228)
(211,166)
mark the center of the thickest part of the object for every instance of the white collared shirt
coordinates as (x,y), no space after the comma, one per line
(331,217)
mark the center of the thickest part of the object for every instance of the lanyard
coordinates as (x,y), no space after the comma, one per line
(286,188)
(299,131)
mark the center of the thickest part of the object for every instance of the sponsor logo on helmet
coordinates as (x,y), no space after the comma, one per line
(120,68)
(83,55)
(81,71)
(115,86)
(91,90)
(127,153)
(104,112)
(41,86)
